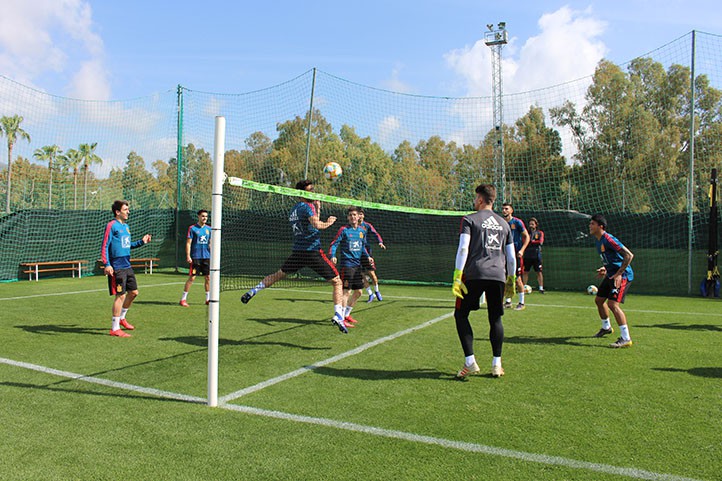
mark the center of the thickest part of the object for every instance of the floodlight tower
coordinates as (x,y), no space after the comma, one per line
(495,39)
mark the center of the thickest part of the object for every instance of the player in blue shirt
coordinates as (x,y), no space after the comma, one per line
(348,250)
(198,255)
(521,240)
(372,237)
(115,256)
(617,274)
(305,224)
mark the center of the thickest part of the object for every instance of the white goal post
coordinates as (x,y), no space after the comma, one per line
(219,178)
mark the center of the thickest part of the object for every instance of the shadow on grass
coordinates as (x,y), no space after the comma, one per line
(52,388)
(50,329)
(384,375)
(677,326)
(203,341)
(563,341)
(270,321)
(710,372)
(157,303)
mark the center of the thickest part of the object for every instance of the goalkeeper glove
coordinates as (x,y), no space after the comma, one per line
(458,287)
(510,286)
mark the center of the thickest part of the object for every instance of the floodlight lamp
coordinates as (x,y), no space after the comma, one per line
(490,26)
(502,25)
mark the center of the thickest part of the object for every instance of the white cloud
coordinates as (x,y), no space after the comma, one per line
(394,83)
(567,47)
(42,36)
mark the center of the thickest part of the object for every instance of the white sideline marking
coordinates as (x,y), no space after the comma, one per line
(375,431)
(82,292)
(343,355)
(103,382)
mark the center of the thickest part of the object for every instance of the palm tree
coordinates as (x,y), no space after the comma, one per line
(72,159)
(48,153)
(89,157)
(10,127)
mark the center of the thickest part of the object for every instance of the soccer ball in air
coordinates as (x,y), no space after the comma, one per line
(592,290)
(527,289)
(332,171)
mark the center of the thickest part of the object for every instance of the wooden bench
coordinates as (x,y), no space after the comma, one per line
(35,268)
(147,263)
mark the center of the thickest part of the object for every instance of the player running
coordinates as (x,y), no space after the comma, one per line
(350,245)
(617,274)
(369,267)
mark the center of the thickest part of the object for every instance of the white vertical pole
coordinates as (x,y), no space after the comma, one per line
(216,213)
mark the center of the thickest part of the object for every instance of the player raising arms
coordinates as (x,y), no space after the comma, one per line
(198,255)
(115,256)
(306,225)
(521,240)
(369,267)
(347,251)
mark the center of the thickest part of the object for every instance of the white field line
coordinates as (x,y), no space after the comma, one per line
(338,357)
(83,292)
(103,382)
(372,430)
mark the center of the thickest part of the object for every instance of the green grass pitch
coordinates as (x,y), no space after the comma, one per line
(303,401)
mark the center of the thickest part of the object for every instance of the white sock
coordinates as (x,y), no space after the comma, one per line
(185,296)
(624,332)
(376,287)
(347,311)
(116,324)
(606,324)
(508,300)
(370,292)
(123,312)
(521,297)
(469,360)
(260,286)
(541,288)
(495,361)
(338,311)
(208,296)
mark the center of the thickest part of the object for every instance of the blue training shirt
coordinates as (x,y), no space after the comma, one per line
(610,250)
(517,229)
(116,247)
(200,241)
(351,244)
(305,236)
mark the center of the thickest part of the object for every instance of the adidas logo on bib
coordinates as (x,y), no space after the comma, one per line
(492,224)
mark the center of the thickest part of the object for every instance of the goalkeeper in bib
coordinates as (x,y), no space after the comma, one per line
(369,266)
(348,250)
(485,264)
(521,240)
(306,225)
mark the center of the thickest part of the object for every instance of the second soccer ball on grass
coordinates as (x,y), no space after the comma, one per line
(332,171)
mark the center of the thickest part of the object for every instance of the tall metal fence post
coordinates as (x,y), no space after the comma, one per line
(691,182)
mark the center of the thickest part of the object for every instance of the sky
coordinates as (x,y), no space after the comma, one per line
(116,50)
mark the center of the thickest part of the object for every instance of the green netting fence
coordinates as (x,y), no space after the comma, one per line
(624,141)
